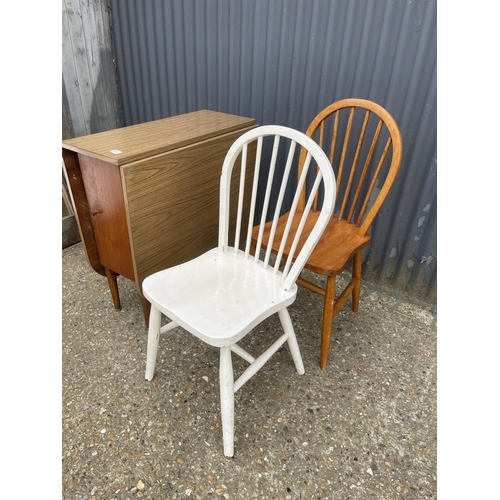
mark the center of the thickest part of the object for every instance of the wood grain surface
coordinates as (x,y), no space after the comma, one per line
(148,139)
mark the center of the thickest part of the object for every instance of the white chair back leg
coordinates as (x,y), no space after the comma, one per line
(227,400)
(153,339)
(286,322)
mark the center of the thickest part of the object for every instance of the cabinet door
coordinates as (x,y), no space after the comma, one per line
(104,193)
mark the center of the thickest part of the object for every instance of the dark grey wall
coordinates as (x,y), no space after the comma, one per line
(281,62)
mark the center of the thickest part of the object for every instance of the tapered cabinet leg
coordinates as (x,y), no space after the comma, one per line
(326,328)
(286,322)
(227,400)
(113,287)
(146,309)
(356,274)
(153,339)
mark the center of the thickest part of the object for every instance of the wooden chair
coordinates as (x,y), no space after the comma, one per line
(364,146)
(222,295)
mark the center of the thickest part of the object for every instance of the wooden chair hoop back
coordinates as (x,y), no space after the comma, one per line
(359,147)
(262,182)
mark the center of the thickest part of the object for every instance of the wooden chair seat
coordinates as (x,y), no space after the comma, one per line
(328,258)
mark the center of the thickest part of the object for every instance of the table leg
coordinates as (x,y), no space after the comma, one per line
(146,309)
(113,287)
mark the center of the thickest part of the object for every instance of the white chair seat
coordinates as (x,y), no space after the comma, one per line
(219,296)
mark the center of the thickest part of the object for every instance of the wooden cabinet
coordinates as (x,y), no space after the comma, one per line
(146,197)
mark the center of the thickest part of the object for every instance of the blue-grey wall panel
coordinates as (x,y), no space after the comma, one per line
(281,62)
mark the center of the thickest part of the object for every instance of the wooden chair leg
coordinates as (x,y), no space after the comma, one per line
(253,246)
(113,286)
(356,276)
(226,381)
(326,327)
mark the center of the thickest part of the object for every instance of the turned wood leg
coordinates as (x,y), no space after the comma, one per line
(227,400)
(146,309)
(326,327)
(113,286)
(356,276)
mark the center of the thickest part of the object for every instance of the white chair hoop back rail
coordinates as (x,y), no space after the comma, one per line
(223,294)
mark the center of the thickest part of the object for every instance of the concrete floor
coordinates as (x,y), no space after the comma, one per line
(363,428)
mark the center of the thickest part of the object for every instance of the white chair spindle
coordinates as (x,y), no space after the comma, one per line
(279,203)
(267,196)
(302,222)
(255,185)
(293,209)
(241,196)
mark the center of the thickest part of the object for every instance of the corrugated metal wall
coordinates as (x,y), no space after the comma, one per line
(281,62)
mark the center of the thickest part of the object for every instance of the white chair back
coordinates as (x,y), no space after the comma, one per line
(323,174)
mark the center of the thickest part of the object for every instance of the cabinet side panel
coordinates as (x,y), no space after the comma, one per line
(76,186)
(106,204)
(173,204)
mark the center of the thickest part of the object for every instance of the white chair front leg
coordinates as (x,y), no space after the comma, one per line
(153,339)
(287,325)
(227,400)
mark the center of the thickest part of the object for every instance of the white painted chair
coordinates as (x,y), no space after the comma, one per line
(222,295)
